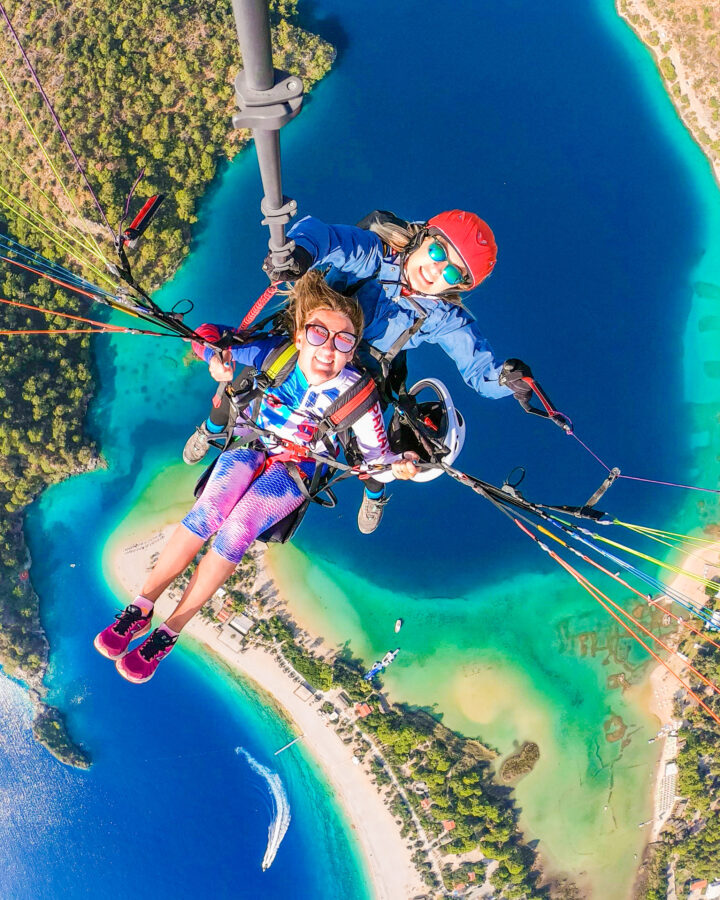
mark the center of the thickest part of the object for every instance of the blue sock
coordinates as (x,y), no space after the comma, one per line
(375,495)
(213,428)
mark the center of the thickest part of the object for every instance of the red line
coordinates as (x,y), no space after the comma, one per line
(70,287)
(639,624)
(592,590)
(64,315)
(649,600)
(62,331)
(579,578)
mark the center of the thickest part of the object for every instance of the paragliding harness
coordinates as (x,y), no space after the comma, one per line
(246,393)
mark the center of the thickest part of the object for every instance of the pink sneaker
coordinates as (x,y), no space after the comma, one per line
(139,665)
(113,641)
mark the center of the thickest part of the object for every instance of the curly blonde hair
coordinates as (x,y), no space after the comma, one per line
(312,292)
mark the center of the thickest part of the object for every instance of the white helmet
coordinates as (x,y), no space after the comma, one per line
(442,420)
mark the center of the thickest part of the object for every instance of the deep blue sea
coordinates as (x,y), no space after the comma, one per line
(549,121)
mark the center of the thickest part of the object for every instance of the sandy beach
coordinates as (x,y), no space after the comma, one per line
(387,856)
(663,686)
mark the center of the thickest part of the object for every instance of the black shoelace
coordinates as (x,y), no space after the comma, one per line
(156,643)
(126,618)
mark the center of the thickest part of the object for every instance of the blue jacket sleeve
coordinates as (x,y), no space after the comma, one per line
(345,247)
(458,335)
(250,354)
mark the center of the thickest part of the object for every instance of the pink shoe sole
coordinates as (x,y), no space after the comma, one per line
(128,676)
(106,653)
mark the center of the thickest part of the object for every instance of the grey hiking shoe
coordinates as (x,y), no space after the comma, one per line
(197,445)
(370,514)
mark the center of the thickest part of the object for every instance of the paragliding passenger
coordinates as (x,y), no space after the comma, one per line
(408,278)
(252,489)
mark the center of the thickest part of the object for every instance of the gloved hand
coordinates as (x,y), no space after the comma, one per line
(296,264)
(511,375)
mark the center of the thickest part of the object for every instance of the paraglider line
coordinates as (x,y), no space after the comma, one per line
(593,591)
(104,327)
(688,487)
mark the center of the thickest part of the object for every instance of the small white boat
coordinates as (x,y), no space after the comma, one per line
(398,625)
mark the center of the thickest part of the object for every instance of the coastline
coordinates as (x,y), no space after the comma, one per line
(387,856)
(662,687)
(671,41)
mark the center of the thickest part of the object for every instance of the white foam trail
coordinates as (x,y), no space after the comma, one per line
(280,807)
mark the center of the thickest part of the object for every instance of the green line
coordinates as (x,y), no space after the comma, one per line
(675,543)
(51,226)
(49,199)
(64,247)
(666,533)
(670,568)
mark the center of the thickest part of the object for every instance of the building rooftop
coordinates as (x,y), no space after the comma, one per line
(241,623)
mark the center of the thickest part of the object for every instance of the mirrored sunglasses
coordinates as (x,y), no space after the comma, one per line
(451,273)
(342,341)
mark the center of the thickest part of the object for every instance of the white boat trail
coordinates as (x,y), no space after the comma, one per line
(280,807)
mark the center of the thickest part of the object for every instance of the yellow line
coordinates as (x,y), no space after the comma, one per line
(51,226)
(61,244)
(83,235)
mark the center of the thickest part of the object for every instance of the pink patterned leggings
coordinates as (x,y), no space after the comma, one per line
(237,504)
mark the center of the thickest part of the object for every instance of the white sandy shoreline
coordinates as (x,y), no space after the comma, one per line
(387,856)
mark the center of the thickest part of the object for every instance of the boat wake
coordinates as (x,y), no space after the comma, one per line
(280,807)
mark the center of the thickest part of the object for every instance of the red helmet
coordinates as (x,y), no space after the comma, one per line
(471,237)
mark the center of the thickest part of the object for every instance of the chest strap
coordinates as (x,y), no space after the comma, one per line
(348,408)
(386,357)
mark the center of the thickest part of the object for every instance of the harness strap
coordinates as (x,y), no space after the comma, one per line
(274,365)
(350,406)
(386,357)
(316,488)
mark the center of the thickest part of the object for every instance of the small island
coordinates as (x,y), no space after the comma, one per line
(521,763)
(50,730)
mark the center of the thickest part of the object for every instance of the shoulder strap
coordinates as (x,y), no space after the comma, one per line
(275,368)
(350,406)
(279,363)
(248,387)
(386,357)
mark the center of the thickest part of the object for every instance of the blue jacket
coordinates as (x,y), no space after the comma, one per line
(355,254)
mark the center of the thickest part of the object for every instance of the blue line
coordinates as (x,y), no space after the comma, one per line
(675,596)
(50,267)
